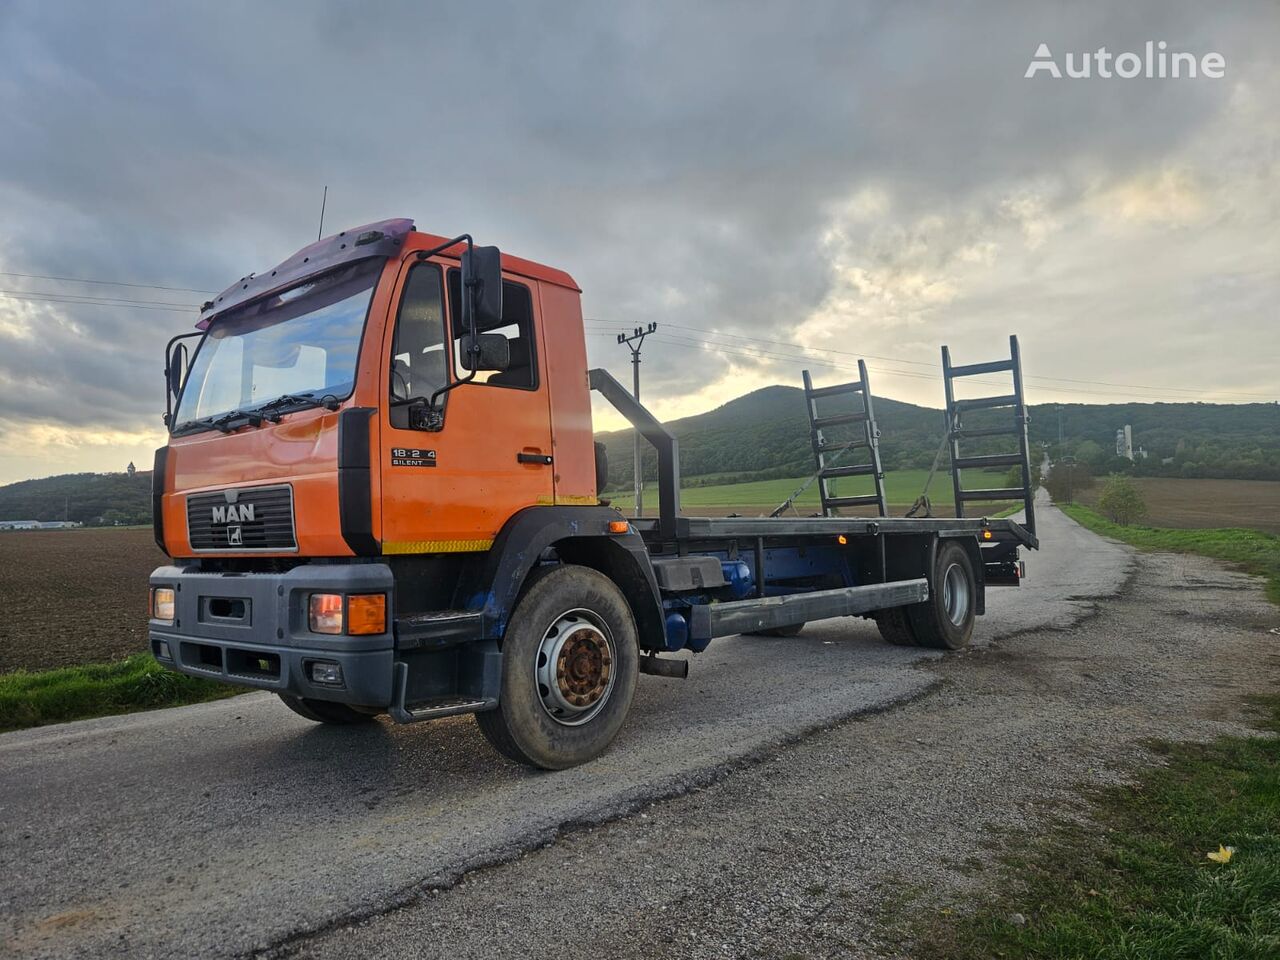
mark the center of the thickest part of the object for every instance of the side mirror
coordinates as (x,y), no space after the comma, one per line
(177,371)
(494,352)
(481,288)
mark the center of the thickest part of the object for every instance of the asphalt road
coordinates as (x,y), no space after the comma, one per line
(226,828)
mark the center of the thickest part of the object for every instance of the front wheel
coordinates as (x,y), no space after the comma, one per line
(569,664)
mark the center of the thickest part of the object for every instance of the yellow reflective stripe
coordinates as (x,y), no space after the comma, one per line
(568,500)
(436,546)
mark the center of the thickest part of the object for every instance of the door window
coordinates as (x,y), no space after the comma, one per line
(516,325)
(419,364)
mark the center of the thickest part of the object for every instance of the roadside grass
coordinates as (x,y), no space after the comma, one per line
(137,682)
(1134,883)
(1252,551)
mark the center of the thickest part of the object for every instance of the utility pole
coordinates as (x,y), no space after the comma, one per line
(634,342)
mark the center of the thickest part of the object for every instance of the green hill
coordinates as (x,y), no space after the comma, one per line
(765,435)
(83,497)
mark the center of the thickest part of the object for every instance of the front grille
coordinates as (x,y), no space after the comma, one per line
(249,518)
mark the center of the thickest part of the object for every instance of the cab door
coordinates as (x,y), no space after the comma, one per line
(451,489)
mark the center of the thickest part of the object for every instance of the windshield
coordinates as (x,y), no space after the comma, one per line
(302,341)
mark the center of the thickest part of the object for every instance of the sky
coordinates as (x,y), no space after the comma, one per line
(778,186)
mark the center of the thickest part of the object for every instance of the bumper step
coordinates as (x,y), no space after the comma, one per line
(442,707)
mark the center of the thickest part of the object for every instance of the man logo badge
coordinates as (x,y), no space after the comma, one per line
(234,536)
(233,513)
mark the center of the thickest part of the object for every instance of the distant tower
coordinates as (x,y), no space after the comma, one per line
(1124,442)
(131,469)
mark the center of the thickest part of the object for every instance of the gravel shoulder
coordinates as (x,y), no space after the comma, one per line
(801,854)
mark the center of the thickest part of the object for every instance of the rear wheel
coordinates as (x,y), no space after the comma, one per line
(895,628)
(325,711)
(569,664)
(945,620)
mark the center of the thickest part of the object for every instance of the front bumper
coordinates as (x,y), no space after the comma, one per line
(250,629)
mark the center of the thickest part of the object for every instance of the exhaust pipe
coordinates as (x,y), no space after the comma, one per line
(675,669)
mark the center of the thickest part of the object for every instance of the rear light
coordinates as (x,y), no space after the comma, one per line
(324,613)
(162,604)
(367,613)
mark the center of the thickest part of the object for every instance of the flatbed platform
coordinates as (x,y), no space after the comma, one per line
(729,528)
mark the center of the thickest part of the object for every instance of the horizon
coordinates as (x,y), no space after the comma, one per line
(627,429)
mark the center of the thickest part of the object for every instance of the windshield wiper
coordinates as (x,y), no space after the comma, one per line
(328,401)
(256,416)
(227,422)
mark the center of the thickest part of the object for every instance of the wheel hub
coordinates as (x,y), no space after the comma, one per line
(955,594)
(575,668)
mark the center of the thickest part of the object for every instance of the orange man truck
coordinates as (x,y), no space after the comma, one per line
(381,495)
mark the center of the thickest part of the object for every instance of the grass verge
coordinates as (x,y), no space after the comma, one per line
(96,690)
(1254,552)
(1135,883)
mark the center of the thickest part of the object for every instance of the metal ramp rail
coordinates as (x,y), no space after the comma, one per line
(824,452)
(1017,427)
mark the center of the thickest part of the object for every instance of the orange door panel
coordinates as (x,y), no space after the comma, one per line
(452,490)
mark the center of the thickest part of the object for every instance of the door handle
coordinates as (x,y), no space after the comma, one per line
(539,458)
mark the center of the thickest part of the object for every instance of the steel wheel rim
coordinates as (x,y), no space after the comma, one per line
(955,594)
(575,667)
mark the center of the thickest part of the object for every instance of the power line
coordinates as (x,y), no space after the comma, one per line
(112,283)
(96,298)
(96,303)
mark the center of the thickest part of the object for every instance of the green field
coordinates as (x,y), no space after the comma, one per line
(901,486)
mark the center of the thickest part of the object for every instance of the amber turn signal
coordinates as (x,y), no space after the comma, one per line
(367,613)
(618,526)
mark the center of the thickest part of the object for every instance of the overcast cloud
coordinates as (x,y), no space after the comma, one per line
(873,179)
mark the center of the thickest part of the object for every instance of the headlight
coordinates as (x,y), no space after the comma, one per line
(162,604)
(324,613)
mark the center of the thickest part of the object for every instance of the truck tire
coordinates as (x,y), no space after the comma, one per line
(570,658)
(895,627)
(790,630)
(945,620)
(324,711)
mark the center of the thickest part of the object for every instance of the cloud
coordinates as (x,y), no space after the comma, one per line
(865,178)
